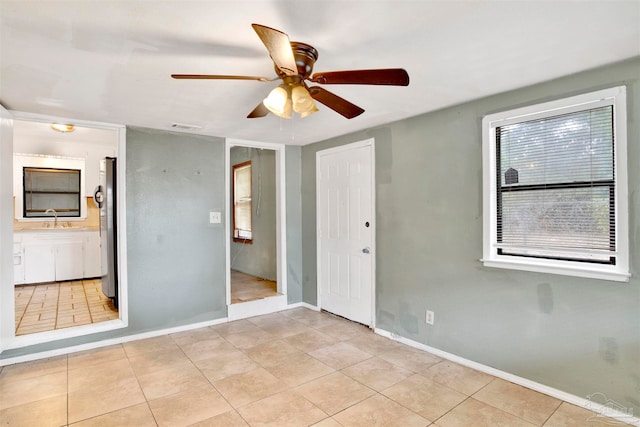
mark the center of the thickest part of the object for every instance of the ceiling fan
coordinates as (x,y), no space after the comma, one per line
(294,65)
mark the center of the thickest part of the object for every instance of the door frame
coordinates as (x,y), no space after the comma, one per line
(272,304)
(8,339)
(352,146)
(6,228)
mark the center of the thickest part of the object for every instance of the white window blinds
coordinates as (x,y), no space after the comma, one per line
(242,201)
(556,187)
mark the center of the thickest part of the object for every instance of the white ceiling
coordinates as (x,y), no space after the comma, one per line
(110,61)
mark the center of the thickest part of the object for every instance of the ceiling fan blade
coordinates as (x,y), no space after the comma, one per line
(386,76)
(333,101)
(220,77)
(279,47)
(259,111)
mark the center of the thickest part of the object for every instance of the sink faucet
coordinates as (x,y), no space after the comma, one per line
(55,215)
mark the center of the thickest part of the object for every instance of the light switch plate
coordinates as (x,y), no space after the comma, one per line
(215,217)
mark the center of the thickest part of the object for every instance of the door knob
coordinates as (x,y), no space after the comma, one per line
(365,250)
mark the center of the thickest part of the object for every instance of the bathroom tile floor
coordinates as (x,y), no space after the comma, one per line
(293,368)
(57,305)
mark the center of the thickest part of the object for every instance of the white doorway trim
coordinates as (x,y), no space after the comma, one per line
(7,304)
(272,304)
(352,146)
(8,339)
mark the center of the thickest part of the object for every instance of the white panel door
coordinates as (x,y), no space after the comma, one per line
(345,231)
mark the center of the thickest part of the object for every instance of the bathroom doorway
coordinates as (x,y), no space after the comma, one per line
(255,228)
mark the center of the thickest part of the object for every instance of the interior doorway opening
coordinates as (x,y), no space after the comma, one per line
(55,291)
(256,276)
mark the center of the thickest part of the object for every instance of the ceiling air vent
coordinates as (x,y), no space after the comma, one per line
(184,126)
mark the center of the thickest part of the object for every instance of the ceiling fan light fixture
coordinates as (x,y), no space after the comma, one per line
(279,102)
(309,112)
(302,101)
(62,127)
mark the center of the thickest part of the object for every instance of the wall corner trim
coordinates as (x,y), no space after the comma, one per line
(596,408)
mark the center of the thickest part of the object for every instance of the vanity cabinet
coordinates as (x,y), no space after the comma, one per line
(58,256)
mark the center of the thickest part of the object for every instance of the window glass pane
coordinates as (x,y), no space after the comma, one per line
(571,218)
(242,202)
(576,147)
(243,183)
(57,189)
(243,216)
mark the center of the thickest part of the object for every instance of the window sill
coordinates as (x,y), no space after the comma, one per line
(568,269)
(241,240)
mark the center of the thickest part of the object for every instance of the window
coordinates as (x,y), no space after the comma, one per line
(555,187)
(50,192)
(242,202)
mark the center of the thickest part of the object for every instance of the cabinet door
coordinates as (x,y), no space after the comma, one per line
(68,261)
(39,263)
(92,255)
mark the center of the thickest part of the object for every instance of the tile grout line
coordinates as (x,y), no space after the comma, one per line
(86,300)
(55,326)
(552,414)
(206,378)
(146,400)
(25,307)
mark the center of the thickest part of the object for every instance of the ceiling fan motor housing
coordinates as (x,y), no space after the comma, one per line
(305,56)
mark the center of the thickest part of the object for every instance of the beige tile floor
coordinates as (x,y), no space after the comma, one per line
(245,287)
(58,305)
(294,368)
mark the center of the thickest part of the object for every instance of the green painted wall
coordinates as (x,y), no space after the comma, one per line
(293,167)
(176,258)
(257,258)
(578,335)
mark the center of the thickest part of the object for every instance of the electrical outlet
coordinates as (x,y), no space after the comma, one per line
(430,317)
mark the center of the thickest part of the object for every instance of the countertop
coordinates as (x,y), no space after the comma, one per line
(55,230)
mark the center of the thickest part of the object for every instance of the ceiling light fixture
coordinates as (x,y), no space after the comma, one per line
(62,127)
(290,96)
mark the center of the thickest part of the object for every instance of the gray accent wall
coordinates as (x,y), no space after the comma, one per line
(176,258)
(257,258)
(581,336)
(293,169)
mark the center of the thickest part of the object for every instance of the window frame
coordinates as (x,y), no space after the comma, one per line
(615,97)
(235,234)
(27,194)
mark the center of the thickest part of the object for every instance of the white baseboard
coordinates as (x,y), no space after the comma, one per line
(610,409)
(108,342)
(246,311)
(257,307)
(304,305)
